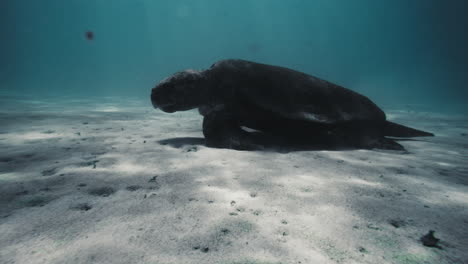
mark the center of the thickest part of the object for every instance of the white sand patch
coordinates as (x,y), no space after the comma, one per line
(107,109)
(115,181)
(364,183)
(11,176)
(21,138)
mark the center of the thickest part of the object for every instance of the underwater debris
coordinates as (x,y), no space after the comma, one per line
(257,212)
(429,240)
(89,163)
(153,179)
(89,35)
(37,202)
(205,250)
(363,250)
(397,223)
(49,172)
(102,191)
(133,188)
(25,192)
(6,159)
(373,227)
(82,207)
(192,149)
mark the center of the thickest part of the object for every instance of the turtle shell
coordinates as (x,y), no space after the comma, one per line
(292,94)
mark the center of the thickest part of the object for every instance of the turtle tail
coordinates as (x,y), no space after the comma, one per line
(397,130)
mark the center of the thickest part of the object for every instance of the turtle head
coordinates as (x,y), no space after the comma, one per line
(179,92)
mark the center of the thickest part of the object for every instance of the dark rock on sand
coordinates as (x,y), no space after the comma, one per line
(102,191)
(6,159)
(205,250)
(429,240)
(37,202)
(153,179)
(82,207)
(192,149)
(133,188)
(49,172)
(362,250)
(22,193)
(397,223)
(373,227)
(89,163)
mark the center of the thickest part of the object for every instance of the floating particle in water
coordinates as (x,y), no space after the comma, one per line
(89,35)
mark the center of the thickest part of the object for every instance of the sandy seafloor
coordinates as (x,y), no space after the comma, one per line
(115,181)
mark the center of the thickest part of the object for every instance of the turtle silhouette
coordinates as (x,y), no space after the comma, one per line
(247,105)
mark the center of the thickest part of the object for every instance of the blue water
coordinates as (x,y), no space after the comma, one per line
(399,52)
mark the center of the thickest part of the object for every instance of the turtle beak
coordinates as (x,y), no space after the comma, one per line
(166,106)
(153,101)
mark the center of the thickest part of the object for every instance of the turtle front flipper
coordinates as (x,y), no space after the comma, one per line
(222,130)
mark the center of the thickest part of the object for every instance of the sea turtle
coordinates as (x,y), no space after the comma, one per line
(247,104)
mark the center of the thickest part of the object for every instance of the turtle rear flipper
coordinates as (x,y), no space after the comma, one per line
(396,130)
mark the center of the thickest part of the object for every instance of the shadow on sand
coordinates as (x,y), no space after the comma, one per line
(180,142)
(276,144)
